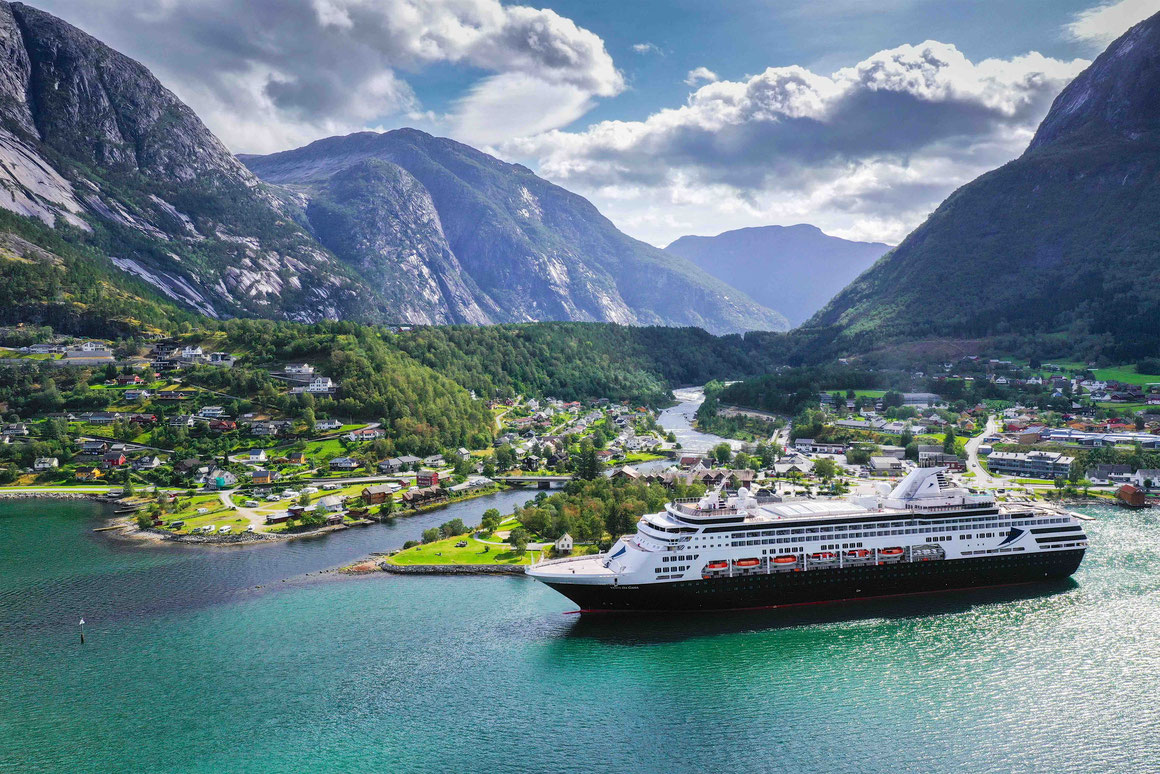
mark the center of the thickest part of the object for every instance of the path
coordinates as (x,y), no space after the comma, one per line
(982,477)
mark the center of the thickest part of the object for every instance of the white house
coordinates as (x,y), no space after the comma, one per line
(257,455)
(92,346)
(191,352)
(300,369)
(321,384)
(1146,478)
(564,544)
(327,424)
(213,412)
(46,463)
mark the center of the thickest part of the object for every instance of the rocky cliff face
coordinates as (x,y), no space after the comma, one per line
(90,136)
(1063,242)
(523,249)
(794,269)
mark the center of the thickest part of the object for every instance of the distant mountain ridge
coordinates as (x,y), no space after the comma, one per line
(456,235)
(419,230)
(794,269)
(1062,243)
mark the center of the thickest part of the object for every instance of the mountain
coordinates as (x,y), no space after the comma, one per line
(1062,243)
(90,139)
(398,227)
(793,269)
(450,234)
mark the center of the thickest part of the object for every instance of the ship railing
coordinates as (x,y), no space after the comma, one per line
(567,559)
(690,510)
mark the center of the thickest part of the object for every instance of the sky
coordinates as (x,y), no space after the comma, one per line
(675,117)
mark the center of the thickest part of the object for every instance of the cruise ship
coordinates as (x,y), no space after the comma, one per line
(728,552)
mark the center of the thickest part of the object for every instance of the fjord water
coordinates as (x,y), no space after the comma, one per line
(188,666)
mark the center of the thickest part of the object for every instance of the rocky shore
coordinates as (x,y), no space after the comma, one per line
(452,569)
(50,495)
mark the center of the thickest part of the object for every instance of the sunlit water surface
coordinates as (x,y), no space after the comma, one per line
(203,660)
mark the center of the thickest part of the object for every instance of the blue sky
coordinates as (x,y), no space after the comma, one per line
(674,116)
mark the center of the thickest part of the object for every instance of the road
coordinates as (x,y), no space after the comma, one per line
(982,477)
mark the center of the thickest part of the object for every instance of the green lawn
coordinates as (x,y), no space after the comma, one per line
(1124,407)
(859,393)
(475,552)
(1126,374)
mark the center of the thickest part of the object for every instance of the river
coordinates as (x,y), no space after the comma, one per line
(212,660)
(679,420)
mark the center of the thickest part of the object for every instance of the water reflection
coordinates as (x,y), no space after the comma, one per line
(656,628)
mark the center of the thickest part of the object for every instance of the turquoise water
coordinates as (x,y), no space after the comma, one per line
(189,667)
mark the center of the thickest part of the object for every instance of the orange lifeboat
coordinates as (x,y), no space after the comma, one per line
(823,556)
(746,562)
(716,565)
(784,559)
(890,552)
(858,553)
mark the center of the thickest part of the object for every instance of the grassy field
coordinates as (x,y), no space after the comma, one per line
(859,393)
(1124,408)
(475,552)
(1126,374)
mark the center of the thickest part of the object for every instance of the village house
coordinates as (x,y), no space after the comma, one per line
(300,369)
(1106,474)
(330,503)
(114,459)
(181,420)
(418,495)
(191,353)
(223,425)
(88,474)
(321,385)
(137,395)
(296,458)
(126,379)
(343,463)
(1146,478)
(434,461)
(45,463)
(327,424)
(261,477)
(364,434)
(148,462)
(378,493)
(219,478)
(427,478)
(256,455)
(563,544)
(94,447)
(212,412)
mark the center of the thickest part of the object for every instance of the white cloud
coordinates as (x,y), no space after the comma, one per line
(1102,24)
(699,75)
(865,152)
(647,48)
(262,72)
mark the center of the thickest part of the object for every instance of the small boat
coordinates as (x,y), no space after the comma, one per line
(858,553)
(746,562)
(785,559)
(890,552)
(823,556)
(717,565)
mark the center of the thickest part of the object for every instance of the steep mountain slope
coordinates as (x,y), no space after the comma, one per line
(793,269)
(1064,240)
(522,248)
(90,137)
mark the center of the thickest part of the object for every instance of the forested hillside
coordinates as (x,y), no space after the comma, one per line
(578,361)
